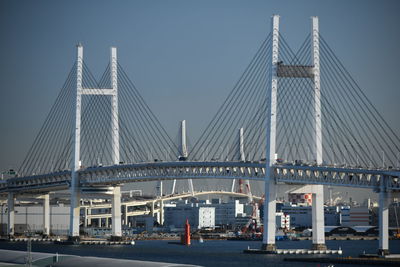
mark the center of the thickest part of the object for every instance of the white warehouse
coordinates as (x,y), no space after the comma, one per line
(32,216)
(199,217)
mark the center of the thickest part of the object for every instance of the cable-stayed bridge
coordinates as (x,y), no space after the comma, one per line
(294,117)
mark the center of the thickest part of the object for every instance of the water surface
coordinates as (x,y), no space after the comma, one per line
(216,253)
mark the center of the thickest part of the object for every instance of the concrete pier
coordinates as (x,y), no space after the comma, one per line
(46,214)
(10,214)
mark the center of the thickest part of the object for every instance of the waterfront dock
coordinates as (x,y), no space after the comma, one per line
(294,251)
(392,260)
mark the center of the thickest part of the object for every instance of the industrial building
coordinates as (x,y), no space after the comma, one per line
(300,216)
(199,216)
(226,213)
(30,218)
(355,216)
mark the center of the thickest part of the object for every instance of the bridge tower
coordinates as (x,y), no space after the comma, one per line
(292,71)
(318,223)
(183,155)
(183,146)
(270,184)
(242,158)
(74,187)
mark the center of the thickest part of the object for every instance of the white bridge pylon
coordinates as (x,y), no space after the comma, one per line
(183,155)
(75,190)
(270,182)
(243,186)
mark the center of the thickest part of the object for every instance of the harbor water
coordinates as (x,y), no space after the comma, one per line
(209,253)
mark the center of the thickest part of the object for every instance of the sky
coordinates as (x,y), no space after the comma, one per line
(183,55)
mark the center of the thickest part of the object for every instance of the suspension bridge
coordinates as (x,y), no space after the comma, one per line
(294,117)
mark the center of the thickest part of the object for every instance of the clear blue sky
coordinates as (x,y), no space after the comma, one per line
(184,56)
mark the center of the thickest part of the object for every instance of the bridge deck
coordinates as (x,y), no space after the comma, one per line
(141,172)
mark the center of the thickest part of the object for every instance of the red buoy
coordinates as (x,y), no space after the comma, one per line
(186,240)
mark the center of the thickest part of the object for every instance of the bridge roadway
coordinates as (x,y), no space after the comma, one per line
(143,172)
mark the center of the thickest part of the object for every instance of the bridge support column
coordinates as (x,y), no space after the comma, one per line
(318,221)
(269,216)
(89,214)
(85,217)
(10,214)
(161,212)
(75,214)
(317,211)
(89,219)
(383,221)
(116,213)
(125,218)
(160,195)
(46,215)
(152,209)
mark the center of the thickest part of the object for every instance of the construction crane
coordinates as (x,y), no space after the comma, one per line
(252,223)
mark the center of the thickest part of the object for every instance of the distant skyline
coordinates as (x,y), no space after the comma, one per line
(184,56)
